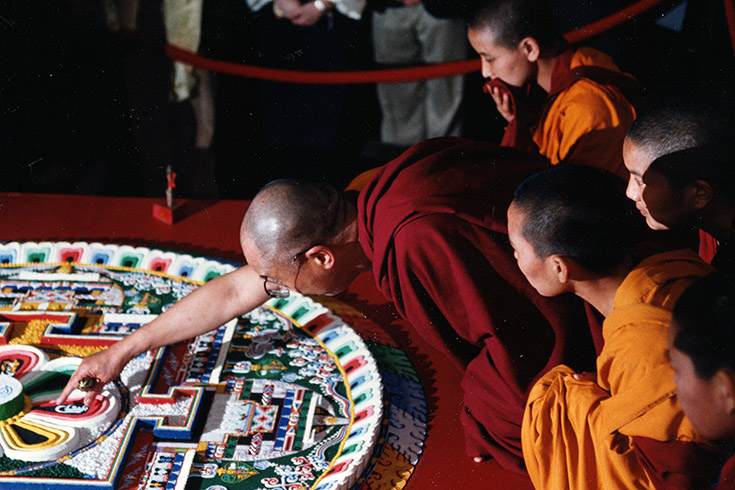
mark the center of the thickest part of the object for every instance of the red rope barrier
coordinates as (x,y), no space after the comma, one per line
(324,77)
(730,15)
(611,21)
(395,74)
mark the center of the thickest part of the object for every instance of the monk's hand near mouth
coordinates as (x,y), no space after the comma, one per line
(503,103)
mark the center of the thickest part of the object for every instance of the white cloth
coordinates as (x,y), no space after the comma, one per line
(350,8)
(183,22)
(415,111)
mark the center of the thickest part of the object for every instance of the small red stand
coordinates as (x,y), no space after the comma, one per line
(170,211)
(168,215)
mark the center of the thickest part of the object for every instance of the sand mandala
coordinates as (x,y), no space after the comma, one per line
(286,397)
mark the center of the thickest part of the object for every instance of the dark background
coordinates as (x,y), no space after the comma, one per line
(85,110)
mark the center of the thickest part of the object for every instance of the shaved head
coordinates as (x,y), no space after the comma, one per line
(686,142)
(288,216)
(579,212)
(664,127)
(513,20)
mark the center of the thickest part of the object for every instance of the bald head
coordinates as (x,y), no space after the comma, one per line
(579,212)
(666,127)
(288,216)
(513,20)
(686,143)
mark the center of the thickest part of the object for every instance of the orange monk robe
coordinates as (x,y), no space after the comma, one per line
(362,180)
(584,123)
(578,434)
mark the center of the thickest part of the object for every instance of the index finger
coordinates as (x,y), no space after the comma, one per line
(71,385)
(496,94)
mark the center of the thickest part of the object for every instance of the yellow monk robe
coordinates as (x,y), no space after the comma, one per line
(577,434)
(586,121)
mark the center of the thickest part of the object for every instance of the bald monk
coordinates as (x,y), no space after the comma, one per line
(587,107)
(573,231)
(431,226)
(682,175)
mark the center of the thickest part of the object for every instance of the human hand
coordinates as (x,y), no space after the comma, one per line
(101,367)
(285,8)
(503,102)
(306,15)
(586,376)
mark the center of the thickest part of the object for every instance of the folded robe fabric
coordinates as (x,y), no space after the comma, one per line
(626,429)
(433,222)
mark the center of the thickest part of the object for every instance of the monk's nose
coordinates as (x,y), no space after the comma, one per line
(486,73)
(632,190)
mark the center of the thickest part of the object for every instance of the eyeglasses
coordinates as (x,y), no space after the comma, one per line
(275,289)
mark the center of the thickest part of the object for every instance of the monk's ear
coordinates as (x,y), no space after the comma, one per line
(561,267)
(701,193)
(530,48)
(321,256)
(725,382)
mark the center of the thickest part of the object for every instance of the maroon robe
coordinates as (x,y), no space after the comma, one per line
(727,476)
(680,465)
(433,222)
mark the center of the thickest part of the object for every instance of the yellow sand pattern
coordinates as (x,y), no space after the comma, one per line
(391,472)
(30,334)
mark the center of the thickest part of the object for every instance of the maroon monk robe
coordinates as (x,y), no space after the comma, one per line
(681,465)
(433,222)
(727,477)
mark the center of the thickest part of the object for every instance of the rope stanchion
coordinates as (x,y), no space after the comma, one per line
(394,74)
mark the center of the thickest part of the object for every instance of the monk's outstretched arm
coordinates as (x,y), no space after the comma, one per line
(208,307)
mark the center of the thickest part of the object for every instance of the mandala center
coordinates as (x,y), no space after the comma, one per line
(12,401)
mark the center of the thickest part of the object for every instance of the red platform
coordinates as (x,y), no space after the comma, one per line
(212,228)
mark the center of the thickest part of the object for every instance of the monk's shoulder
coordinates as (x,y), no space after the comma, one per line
(590,104)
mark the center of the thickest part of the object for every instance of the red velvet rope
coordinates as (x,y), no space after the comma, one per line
(396,74)
(730,15)
(611,21)
(324,77)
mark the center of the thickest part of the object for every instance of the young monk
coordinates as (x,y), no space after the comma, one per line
(682,175)
(573,231)
(431,227)
(702,353)
(588,99)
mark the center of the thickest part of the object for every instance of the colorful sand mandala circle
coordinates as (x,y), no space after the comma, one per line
(33,427)
(297,400)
